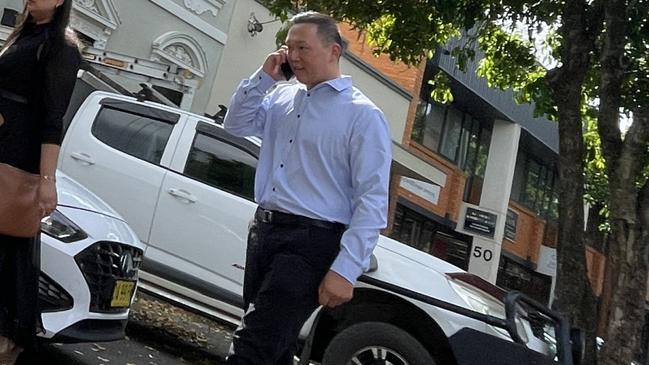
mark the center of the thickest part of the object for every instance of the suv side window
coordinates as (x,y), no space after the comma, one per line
(222,165)
(139,136)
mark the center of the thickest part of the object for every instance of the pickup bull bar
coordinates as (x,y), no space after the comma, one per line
(566,353)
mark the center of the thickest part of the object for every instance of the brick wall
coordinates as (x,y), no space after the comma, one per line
(529,234)
(595,264)
(397,72)
(450,197)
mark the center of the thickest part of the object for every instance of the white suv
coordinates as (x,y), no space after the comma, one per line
(186,187)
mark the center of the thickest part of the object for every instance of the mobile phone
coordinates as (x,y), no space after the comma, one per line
(286,70)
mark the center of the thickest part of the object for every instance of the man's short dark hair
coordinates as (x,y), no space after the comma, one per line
(327,26)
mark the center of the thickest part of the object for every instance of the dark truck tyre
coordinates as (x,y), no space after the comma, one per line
(373,343)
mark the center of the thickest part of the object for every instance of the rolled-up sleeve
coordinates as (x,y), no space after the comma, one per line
(246,114)
(370,159)
(60,76)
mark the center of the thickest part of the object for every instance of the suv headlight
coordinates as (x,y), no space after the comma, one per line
(62,228)
(482,302)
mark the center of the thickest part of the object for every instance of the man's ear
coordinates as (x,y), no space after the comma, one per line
(60,2)
(336,50)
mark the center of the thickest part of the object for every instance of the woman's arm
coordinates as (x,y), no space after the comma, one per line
(60,76)
(47,191)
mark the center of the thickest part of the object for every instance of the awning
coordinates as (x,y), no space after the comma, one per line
(407,164)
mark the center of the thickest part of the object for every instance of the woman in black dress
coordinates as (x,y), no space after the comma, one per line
(38,67)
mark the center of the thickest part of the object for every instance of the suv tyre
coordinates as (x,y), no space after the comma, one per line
(371,343)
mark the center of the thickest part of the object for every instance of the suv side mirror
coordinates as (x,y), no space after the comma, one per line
(374,264)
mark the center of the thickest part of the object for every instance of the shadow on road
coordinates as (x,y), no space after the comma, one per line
(48,354)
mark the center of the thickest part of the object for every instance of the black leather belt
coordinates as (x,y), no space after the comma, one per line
(13,97)
(275,217)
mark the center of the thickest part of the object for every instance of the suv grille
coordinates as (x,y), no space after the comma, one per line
(102,264)
(51,296)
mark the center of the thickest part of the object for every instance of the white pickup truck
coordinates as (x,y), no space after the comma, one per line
(186,187)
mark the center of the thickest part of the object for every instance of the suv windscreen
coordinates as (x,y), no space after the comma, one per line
(222,165)
(136,135)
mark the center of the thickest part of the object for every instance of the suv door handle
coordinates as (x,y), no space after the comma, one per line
(84,158)
(182,194)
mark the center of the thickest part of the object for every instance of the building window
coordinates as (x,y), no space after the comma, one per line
(429,120)
(450,143)
(424,234)
(457,136)
(476,162)
(514,276)
(534,186)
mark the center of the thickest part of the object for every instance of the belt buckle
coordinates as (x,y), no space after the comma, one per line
(267,216)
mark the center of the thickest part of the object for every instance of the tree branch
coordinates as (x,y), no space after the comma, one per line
(611,80)
(579,29)
(595,19)
(636,144)
(643,208)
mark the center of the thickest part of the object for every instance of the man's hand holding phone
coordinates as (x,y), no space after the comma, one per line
(276,65)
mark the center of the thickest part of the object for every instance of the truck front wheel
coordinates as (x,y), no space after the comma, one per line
(371,343)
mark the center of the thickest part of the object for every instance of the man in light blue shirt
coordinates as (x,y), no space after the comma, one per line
(321,184)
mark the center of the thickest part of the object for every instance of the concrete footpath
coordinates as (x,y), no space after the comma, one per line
(185,334)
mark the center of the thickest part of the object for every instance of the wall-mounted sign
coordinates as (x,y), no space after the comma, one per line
(424,190)
(510,225)
(480,222)
(547,261)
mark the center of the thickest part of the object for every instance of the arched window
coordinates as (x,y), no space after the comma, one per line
(183,51)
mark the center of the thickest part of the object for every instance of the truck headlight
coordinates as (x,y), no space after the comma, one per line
(62,228)
(484,303)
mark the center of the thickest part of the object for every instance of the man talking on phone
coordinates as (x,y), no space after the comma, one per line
(321,185)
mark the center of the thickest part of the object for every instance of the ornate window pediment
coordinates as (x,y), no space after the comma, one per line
(201,6)
(183,51)
(96,19)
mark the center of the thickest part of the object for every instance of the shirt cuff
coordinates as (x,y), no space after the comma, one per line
(260,79)
(347,267)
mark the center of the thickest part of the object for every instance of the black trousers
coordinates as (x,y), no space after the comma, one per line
(285,264)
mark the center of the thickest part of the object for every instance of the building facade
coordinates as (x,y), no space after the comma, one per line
(498,216)
(173,46)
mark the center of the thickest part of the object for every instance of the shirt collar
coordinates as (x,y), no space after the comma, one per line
(339,84)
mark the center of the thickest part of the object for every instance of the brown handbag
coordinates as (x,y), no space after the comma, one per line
(20,214)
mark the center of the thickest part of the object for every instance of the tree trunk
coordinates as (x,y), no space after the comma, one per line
(573,294)
(625,159)
(627,259)
(606,296)
(628,253)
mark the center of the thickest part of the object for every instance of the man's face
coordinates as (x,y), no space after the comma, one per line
(312,59)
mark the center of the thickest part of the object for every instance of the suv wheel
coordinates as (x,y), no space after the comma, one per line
(371,343)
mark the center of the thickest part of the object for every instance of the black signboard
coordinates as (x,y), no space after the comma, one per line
(480,222)
(510,225)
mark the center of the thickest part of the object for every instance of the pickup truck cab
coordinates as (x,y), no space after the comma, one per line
(186,187)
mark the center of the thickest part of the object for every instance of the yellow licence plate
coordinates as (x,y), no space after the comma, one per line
(122,293)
